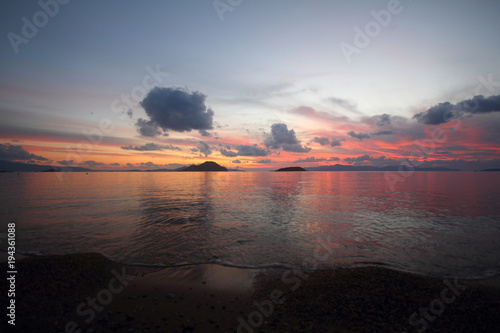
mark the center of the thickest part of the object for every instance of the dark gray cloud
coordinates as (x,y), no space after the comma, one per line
(382,120)
(205,133)
(309,160)
(359,136)
(362,158)
(374,161)
(324,141)
(314,159)
(150,147)
(114,164)
(89,163)
(389,132)
(148,127)
(245,150)
(444,112)
(321,140)
(92,163)
(17,153)
(335,143)
(228,153)
(236,161)
(149,165)
(285,139)
(204,148)
(67,162)
(266,161)
(174,109)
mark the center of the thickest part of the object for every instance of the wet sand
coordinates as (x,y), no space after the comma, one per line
(90,293)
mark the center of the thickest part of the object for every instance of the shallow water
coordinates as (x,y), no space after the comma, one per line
(433,223)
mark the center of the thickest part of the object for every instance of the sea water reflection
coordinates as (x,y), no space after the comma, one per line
(435,223)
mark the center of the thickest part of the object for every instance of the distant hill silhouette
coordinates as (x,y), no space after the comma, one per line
(339,167)
(19,166)
(291,169)
(206,166)
(491,170)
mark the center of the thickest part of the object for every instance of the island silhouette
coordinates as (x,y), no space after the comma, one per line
(291,169)
(206,166)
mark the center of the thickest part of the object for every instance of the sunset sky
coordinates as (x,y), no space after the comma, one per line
(250,84)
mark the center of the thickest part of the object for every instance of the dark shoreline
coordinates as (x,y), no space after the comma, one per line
(213,298)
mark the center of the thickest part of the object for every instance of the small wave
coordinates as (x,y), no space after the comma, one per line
(26,253)
(31,253)
(214,262)
(491,273)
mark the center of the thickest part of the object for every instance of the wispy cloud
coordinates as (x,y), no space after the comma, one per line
(359,136)
(315,159)
(204,148)
(324,141)
(151,147)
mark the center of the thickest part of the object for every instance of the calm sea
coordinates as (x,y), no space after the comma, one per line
(433,223)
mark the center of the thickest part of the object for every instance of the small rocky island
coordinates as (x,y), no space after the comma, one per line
(206,166)
(291,169)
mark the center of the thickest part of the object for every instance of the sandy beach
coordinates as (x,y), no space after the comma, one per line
(89,293)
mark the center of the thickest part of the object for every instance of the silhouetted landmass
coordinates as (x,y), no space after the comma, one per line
(7,166)
(206,166)
(491,170)
(19,166)
(291,169)
(163,170)
(339,167)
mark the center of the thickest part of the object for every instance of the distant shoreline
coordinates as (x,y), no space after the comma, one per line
(7,166)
